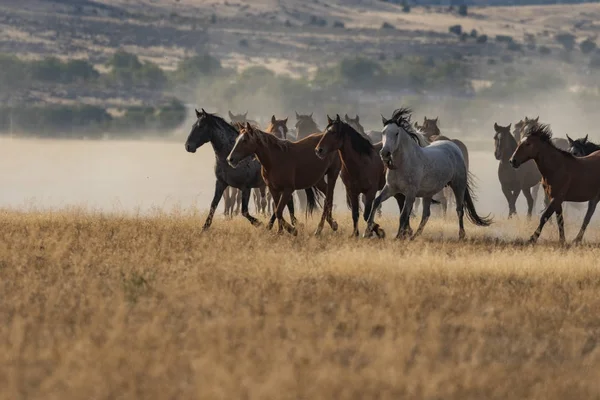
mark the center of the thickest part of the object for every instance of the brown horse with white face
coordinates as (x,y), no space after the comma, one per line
(363,172)
(564,176)
(289,166)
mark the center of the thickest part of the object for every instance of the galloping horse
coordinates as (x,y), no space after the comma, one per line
(277,127)
(564,176)
(214,129)
(422,171)
(289,166)
(363,172)
(514,181)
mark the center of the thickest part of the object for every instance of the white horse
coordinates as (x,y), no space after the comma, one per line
(416,171)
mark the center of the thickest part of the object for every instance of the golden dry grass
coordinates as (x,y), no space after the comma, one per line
(117,307)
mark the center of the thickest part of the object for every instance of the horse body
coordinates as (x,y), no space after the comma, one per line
(416,171)
(514,181)
(289,166)
(564,176)
(363,172)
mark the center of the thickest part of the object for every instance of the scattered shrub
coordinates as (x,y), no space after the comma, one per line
(387,25)
(463,10)
(473,33)
(338,24)
(482,39)
(567,40)
(545,50)
(587,46)
(504,39)
(456,29)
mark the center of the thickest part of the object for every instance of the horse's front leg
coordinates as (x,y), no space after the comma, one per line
(561,223)
(353,197)
(276,195)
(283,201)
(245,200)
(405,230)
(424,217)
(220,187)
(385,194)
(545,217)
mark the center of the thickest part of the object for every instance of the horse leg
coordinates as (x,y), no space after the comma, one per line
(586,220)
(371,225)
(245,200)
(283,201)
(369,197)
(424,217)
(545,217)
(220,187)
(238,201)
(530,201)
(290,206)
(561,223)
(226,197)
(405,229)
(276,196)
(355,211)
(535,189)
(331,180)
(415,207)
(510,198)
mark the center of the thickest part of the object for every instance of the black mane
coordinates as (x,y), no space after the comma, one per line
(544,133)
(359,143)
(587,146)
(402,113)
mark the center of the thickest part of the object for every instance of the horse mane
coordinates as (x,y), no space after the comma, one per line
(266,139)
(359,143)
(544,133)
(215,121)
(401,113)
(415,134)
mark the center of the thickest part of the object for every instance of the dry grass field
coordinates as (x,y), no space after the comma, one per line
(109,306)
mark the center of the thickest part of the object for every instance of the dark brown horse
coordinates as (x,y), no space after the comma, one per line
(514,181)
(277,127)
(289,166)
(363,172)
(305,125)
(564,176)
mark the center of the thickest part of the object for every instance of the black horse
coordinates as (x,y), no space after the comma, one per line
(214,129)
(582,147)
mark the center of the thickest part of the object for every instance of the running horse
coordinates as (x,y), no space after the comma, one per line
(222,136)
(363,172)
(289,166)
(277,127)
(564,177)
(414,171)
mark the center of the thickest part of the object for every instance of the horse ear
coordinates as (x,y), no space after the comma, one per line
(346,117)
(337,117)
(311,115)
(383,120)
(537,119)
(248,126)
(285,120)
(417,124)
(585,138)
(273,119)
(570,140)
(509,125)
(198,114)
(246,114)
(424,119)
(436,119)
(204,112)
(496,126)
(356,119)
(297,116)
(329,120)
(231,116)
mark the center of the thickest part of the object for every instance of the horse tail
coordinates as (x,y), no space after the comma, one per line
(470,205)
(313,195)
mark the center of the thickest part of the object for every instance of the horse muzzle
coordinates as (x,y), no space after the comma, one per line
(233,163)
(514,163)
(189,148)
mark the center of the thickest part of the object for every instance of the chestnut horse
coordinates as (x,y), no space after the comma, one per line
(564,176)
(289,166)
(277,127)
(363,172)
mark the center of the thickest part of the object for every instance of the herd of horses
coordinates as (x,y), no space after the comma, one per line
(410,162)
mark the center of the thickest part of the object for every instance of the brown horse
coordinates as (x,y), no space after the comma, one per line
(363,172)
(277,127)
(305,126)
(289,166)
(514,181)
(564,176)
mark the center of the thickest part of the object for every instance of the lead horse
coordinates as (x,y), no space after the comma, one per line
(422,171)
(214,129)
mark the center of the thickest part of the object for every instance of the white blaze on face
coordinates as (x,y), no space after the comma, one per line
(281,132)
(524,139)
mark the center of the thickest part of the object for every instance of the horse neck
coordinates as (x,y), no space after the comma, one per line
(350,157)
(508,148)
(266,149)
(223,141)
(408,151)
(550,160)
(307,129)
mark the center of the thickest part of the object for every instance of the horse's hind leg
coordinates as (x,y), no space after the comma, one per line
(355,211)
(226,200)
(238,201)
(245,200)
(371,225)
(424,217)
(276,196)
(220,187)
(586,220)
(561,223)
(511,199)
(405,230)
(459,194)
(545,217)
(530,201)
(535,189)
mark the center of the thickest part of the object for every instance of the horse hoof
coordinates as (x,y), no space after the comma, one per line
(380,232)
(532,240)
(334,226)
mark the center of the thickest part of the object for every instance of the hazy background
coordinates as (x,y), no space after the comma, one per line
(97,97)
